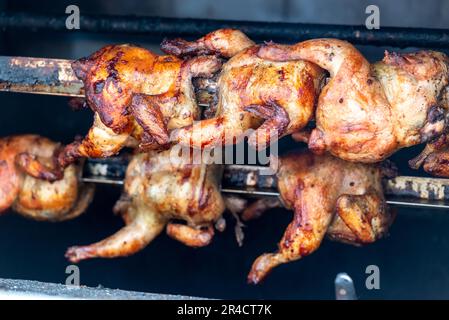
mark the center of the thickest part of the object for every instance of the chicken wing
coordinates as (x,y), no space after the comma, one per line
(274,98)
(22,187)
(158,190)
(366,112)
(330,197)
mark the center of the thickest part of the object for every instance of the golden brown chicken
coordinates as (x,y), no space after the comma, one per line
(330,197)
(137,96)
(23,190)
(366,112)
(275,98)
(158,190)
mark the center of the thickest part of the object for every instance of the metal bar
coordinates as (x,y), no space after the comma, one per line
(34,290)
(56,77)
(247,177)
(418,187)
(417,203)
(278,31)
(247,180)
(392,200)
(40,76)
(251,192)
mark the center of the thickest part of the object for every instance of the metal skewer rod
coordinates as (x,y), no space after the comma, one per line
(56,77)
(247,180)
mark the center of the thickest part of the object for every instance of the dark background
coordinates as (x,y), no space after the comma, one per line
(413,261)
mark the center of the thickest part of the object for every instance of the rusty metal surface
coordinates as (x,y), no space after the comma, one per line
(40,76)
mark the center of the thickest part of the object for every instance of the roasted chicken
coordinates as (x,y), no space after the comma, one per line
(137,96)
(158,190)
(23,189)
(330,197)
(366,112)
(274,98)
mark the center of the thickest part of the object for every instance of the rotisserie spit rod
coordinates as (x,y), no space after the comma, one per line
(56,77)
(251,181)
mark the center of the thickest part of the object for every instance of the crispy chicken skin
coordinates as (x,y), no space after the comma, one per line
(23,190)
(274,98)
(156,192)
(137,96)
(366,112)
(329,196)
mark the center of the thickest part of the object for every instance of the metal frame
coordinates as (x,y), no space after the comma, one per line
(276,31)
